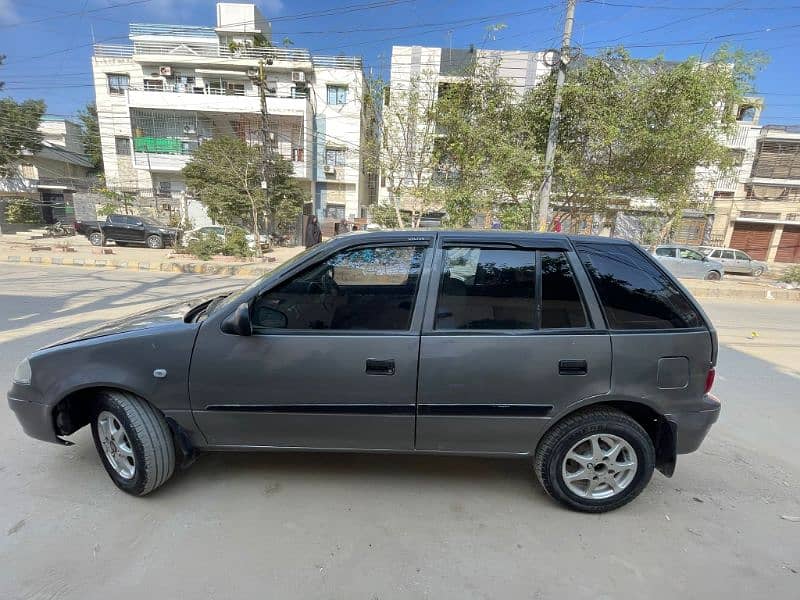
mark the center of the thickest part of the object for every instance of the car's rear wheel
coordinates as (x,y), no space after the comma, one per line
(96,238)
(713,276)
(758,271)
(134,442)
(595,461)
(155,242)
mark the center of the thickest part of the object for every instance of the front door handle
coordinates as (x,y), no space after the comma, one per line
(380,367)
(572,367)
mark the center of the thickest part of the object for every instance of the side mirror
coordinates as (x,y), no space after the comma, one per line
(705,259)
(238,322)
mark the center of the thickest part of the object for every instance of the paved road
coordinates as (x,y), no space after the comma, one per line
(347,526)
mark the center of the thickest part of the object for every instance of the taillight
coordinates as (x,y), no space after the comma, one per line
(712,372)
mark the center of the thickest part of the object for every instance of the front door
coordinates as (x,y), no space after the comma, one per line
(332,362)
(509,341)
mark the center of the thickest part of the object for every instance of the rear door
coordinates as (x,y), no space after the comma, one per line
(508,341)
(742,261)
(668,257)
(136,229)
(115,227)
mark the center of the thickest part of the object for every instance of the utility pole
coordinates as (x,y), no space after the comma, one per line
(266,151)
(555,117)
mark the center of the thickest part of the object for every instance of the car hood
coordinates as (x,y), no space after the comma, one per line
(154,317)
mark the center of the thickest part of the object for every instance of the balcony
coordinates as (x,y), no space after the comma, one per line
(198,50)
(738,137)
(212,100)
(727,183)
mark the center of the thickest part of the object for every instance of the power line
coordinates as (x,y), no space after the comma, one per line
(72,14)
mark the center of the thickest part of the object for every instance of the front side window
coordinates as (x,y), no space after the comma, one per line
(670,252)
(635,294)
(364,289)
(716,254)
(690,254)
(118,84)
(561,302)
(337,94)
(484,288)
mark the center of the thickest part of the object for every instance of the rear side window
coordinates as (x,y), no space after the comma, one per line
(634,292)
(561,302)
(484,288)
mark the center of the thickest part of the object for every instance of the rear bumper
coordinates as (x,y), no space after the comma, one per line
(691,428)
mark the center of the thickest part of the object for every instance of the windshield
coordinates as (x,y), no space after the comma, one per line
(238,296)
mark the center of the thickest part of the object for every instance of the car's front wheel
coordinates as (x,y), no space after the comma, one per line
(713,276)
(596,460)
(758,271)
(134,442)
(155,242)
(96,238)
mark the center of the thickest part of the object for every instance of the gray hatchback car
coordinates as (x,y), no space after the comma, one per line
(583,355)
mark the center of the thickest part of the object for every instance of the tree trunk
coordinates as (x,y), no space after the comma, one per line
(256,233)
(399,217)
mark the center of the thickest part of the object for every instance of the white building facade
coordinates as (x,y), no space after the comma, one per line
(176,86)
(430,69)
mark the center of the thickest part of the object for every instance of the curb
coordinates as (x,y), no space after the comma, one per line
(755,293)
(164,267)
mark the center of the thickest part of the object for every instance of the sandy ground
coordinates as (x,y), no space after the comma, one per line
(308,526)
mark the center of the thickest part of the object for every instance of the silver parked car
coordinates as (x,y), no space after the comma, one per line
(689,263)
(582,355)
(735,261)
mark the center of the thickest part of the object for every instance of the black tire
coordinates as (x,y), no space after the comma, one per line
(150,439)
(564,435)
(155,241)
(713,276)
(96,238)
(758,272)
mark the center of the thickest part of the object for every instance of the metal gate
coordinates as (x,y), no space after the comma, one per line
(789,245)
(753,238)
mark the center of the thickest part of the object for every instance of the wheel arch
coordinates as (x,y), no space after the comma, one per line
(658,427)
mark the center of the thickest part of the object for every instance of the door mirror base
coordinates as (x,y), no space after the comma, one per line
(238,322)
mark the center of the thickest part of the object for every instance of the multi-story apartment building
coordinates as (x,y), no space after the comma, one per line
(761,213)
(52,178)
(419,74)
(176,86)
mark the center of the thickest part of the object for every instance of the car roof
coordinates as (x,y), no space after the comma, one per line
(479,235)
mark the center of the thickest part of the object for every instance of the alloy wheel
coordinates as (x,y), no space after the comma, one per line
(599,466)
(116,445)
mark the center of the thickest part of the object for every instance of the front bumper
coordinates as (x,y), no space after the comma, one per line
(35,417)
(691,428)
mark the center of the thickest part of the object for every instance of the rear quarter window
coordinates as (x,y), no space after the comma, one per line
(634,292)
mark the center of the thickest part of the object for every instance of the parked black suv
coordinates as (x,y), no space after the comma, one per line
(128,229)
(582,354)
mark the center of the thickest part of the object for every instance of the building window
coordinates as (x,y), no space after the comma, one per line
(337,94)
(746,114)
(123,145)
(165,188)
(153,85)
(118,84)
(334,157)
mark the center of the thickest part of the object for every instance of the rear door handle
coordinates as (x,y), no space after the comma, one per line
(380,367)
(572,367)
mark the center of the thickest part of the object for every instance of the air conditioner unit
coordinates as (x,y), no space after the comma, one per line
(329,170)
(252,73)
(298,76)
(165,71)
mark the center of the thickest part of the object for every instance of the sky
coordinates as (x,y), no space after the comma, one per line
(48,43)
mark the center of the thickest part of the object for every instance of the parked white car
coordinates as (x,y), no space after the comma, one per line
(689,263)
(735,261)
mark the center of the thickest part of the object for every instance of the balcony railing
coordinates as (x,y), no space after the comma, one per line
(113,50)
(182,88)
(174,30)
(727,183)
(738,137)
(202,48)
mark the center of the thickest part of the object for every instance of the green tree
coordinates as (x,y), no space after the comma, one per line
(225,173)
(19,131)
(488,151)
(90,135)
(633,128)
